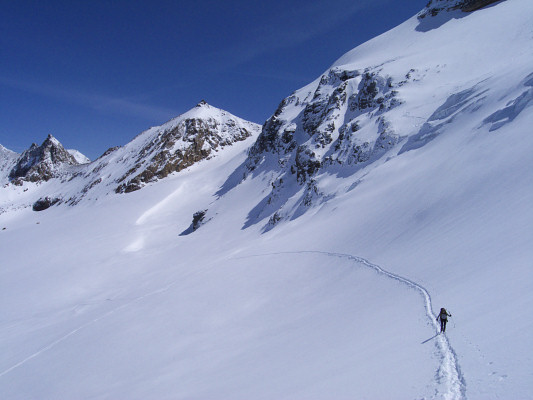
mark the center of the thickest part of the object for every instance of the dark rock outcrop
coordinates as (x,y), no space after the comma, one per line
(197,221)
(44,203)
(434,7)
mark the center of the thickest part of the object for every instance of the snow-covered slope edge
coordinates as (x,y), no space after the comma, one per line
(7,161)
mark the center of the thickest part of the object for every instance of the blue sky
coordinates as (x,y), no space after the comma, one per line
(96,73)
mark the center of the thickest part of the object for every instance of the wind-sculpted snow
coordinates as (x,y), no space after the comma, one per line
(513,108)
(465,101)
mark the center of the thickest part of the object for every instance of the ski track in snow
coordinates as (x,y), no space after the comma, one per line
(85,325)
(449,373)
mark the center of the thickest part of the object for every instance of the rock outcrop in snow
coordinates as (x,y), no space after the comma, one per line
(434,7)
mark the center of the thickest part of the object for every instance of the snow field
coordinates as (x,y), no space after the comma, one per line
(106,300)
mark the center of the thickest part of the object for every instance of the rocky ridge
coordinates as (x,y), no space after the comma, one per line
(434,7)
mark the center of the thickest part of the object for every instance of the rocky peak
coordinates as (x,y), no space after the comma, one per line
(41,163)
(193,136)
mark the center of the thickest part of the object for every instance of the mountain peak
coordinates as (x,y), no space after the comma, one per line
(51,141)
(41,163)
(196,135)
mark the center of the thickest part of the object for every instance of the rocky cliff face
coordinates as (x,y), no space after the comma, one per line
(327,120)
(337,122)
(42,163)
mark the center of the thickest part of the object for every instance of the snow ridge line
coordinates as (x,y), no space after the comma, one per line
(449,371)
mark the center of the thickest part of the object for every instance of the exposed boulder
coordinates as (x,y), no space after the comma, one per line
(198,219)
(44,203)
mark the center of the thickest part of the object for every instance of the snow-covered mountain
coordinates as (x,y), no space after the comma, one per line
(183,141)
(373,105)
(42,163)
(321,246)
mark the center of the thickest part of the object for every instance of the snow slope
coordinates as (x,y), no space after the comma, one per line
(338,298)
(80,158)
(7,160)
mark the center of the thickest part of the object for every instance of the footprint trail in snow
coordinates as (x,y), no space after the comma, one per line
(451,384)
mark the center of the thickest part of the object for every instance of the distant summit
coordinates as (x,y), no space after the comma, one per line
(42,163)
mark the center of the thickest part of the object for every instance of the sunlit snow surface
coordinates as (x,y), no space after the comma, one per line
(105,300)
